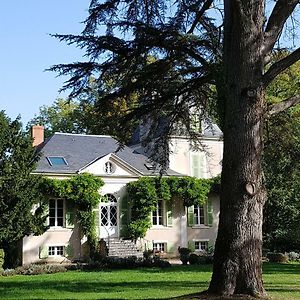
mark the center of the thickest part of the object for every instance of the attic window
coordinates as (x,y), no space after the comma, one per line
(57,161)
(109,168)
(149,166)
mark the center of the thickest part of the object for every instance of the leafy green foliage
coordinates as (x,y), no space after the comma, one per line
(282,170)
(145,193)
(61,116)
(19,189)
(83,191)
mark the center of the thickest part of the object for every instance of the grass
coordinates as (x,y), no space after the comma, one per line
(282,281)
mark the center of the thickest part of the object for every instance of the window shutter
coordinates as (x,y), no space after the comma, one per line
(191,246)
(169,214)
(70,216)
(191,216)
(170,247)
(197,161)
(210,216)
(46,214)
(124,215)
(97,220)
(43,252)
(69,250)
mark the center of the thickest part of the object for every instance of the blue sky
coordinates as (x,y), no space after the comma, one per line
(27,50)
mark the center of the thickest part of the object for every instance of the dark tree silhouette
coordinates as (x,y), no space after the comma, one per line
(172,53)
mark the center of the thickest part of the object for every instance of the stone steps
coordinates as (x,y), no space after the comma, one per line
(122,248)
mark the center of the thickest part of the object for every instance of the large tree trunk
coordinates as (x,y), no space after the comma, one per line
(237,262)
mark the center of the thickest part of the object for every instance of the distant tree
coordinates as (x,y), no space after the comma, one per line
(282,171)
(193,53)
(281,230)
(19,189)
(59,117)
(85,114)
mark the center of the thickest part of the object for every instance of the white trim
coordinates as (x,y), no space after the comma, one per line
(82,134)
(200,240)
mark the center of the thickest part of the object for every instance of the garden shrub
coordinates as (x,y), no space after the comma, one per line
(184,254)
(293,256)
(1,258)
(277,257)
(193,259)
(34,269)
(130,262)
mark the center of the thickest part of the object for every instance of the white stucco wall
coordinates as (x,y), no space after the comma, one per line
(180,156)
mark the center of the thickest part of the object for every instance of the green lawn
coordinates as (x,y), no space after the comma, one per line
(281,281)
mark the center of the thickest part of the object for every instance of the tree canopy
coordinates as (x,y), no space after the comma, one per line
(21,201)
(197,45)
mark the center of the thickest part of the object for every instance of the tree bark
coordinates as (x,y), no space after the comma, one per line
(237,261)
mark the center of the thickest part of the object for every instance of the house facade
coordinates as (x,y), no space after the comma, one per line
(66,155)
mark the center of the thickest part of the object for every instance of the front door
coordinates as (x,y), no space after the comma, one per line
(109,217)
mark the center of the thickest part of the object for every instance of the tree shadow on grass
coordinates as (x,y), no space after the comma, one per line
(276,268)
(21,290)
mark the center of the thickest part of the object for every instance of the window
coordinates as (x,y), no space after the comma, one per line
(56,250)
(56,212)
(57,161)
(159,247)
(199,216)
(197,162)
(109,168)
(109,211)
(201,246)
(158,213)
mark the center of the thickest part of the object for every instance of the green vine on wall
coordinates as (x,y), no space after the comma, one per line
(145,193)
(82,194)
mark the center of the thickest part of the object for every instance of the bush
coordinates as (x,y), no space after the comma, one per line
(1,258)
(193,259)
(126,263)
(293,256)
(148,254)
(184,254)
(34,269)
(277,257)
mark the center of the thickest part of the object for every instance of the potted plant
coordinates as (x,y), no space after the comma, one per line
(184,254)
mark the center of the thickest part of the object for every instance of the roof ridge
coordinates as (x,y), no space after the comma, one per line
(83,134)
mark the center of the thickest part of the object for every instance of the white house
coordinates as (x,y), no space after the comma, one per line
(65,155)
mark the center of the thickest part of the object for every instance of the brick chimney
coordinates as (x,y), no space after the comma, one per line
(37,133)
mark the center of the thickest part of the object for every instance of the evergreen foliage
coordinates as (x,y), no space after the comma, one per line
(145,193)
(185,40)
(19,189)
(83,192)
(282,169)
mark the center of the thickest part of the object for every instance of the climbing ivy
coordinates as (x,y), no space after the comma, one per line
(145,193)
(81,192)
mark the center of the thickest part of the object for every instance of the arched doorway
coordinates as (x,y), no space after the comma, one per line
(109,217)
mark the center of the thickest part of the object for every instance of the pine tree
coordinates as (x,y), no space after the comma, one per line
(19,189)
(191,54)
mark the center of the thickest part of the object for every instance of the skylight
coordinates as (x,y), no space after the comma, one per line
(57,161)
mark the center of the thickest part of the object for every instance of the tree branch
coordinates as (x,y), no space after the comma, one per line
(200,13)
(276,108)
(281,12)
(280,66)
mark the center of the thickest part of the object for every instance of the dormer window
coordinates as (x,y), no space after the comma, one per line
(57,161)
(109,168)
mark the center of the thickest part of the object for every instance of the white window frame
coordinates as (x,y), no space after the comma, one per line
(156,213)
(199,248)
(200,219)
(56,250)
(109,168)
(158,246)
(56,213)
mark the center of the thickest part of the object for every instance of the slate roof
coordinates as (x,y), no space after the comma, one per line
(80,150)
(210,130)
